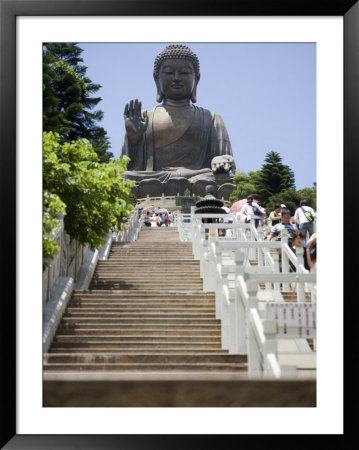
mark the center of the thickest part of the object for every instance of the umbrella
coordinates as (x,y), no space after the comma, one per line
(148,208)
(239,203)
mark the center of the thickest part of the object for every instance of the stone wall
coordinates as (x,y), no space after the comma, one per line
(65,264)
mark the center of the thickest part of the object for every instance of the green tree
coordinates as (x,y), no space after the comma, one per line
(310,194)
(92,192)
(68,105)
(51,207)
(289,198)
(273,178)
(244,187)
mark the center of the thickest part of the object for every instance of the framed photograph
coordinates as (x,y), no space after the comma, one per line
(24,26)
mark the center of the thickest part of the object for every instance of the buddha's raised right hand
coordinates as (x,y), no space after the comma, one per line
(135,122)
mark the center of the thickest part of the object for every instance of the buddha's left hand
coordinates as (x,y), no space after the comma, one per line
(222,163)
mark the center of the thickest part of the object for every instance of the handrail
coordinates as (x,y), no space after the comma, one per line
(225,266)
(132,227)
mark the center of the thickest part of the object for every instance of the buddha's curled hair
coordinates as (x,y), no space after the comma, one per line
(174,51)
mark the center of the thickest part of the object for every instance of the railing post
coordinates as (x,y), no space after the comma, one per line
(285,261)
(300,286)
(224,302)
(252,302)
(206,270)
(241,315)
(260,251)
(252,251)
(270,330)
(218,290)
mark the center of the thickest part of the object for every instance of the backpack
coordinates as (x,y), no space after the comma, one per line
(258,210)
(308,215)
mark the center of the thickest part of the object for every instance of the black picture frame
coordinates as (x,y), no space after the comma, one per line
(9,10)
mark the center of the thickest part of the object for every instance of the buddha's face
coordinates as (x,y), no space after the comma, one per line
(176,78)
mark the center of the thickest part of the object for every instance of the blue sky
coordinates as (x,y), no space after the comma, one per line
(265,93)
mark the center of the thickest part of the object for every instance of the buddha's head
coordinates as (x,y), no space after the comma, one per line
(176,73)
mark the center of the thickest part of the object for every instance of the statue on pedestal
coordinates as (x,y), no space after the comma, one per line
(176,140)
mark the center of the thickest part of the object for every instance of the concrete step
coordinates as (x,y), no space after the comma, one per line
(150,292)
(166,282)
(134,367)
(142,315)
(153,270)
(161,243)
(141,302)
(136,321)
(150,304)
(176,267)
(143,297)
(127,351)
(63,331)
(145,313)
(150,246)
(122,285)
(165,389)
(154,358)
(290,296)
(148,275)
(112,344)
(135,253)
(136,309)
(65,325)
(139,338)
(151,256)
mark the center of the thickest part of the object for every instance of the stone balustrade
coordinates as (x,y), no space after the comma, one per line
(244,271)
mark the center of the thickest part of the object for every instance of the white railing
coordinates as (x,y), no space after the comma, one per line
(132,227)
(245,310)
(183,224)
(267,324)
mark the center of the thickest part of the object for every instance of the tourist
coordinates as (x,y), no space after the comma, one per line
(262,218)
(153,221)
(298,241)
(157,219)
(304,217)
(276,231)
(147,219)
(275,216)
(285,223)
(248,212)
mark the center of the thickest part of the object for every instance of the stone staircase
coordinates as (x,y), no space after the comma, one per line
(145,334)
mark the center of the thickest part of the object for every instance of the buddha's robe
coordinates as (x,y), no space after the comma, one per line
(188,155)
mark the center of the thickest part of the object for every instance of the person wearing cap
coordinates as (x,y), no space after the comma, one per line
(247,210)
(275,216)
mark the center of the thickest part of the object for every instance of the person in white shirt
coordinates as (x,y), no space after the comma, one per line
(305,225)
(247,210)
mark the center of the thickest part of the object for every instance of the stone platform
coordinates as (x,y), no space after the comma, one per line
(223,187)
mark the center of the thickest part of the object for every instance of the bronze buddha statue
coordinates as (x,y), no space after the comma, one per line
(176,139)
